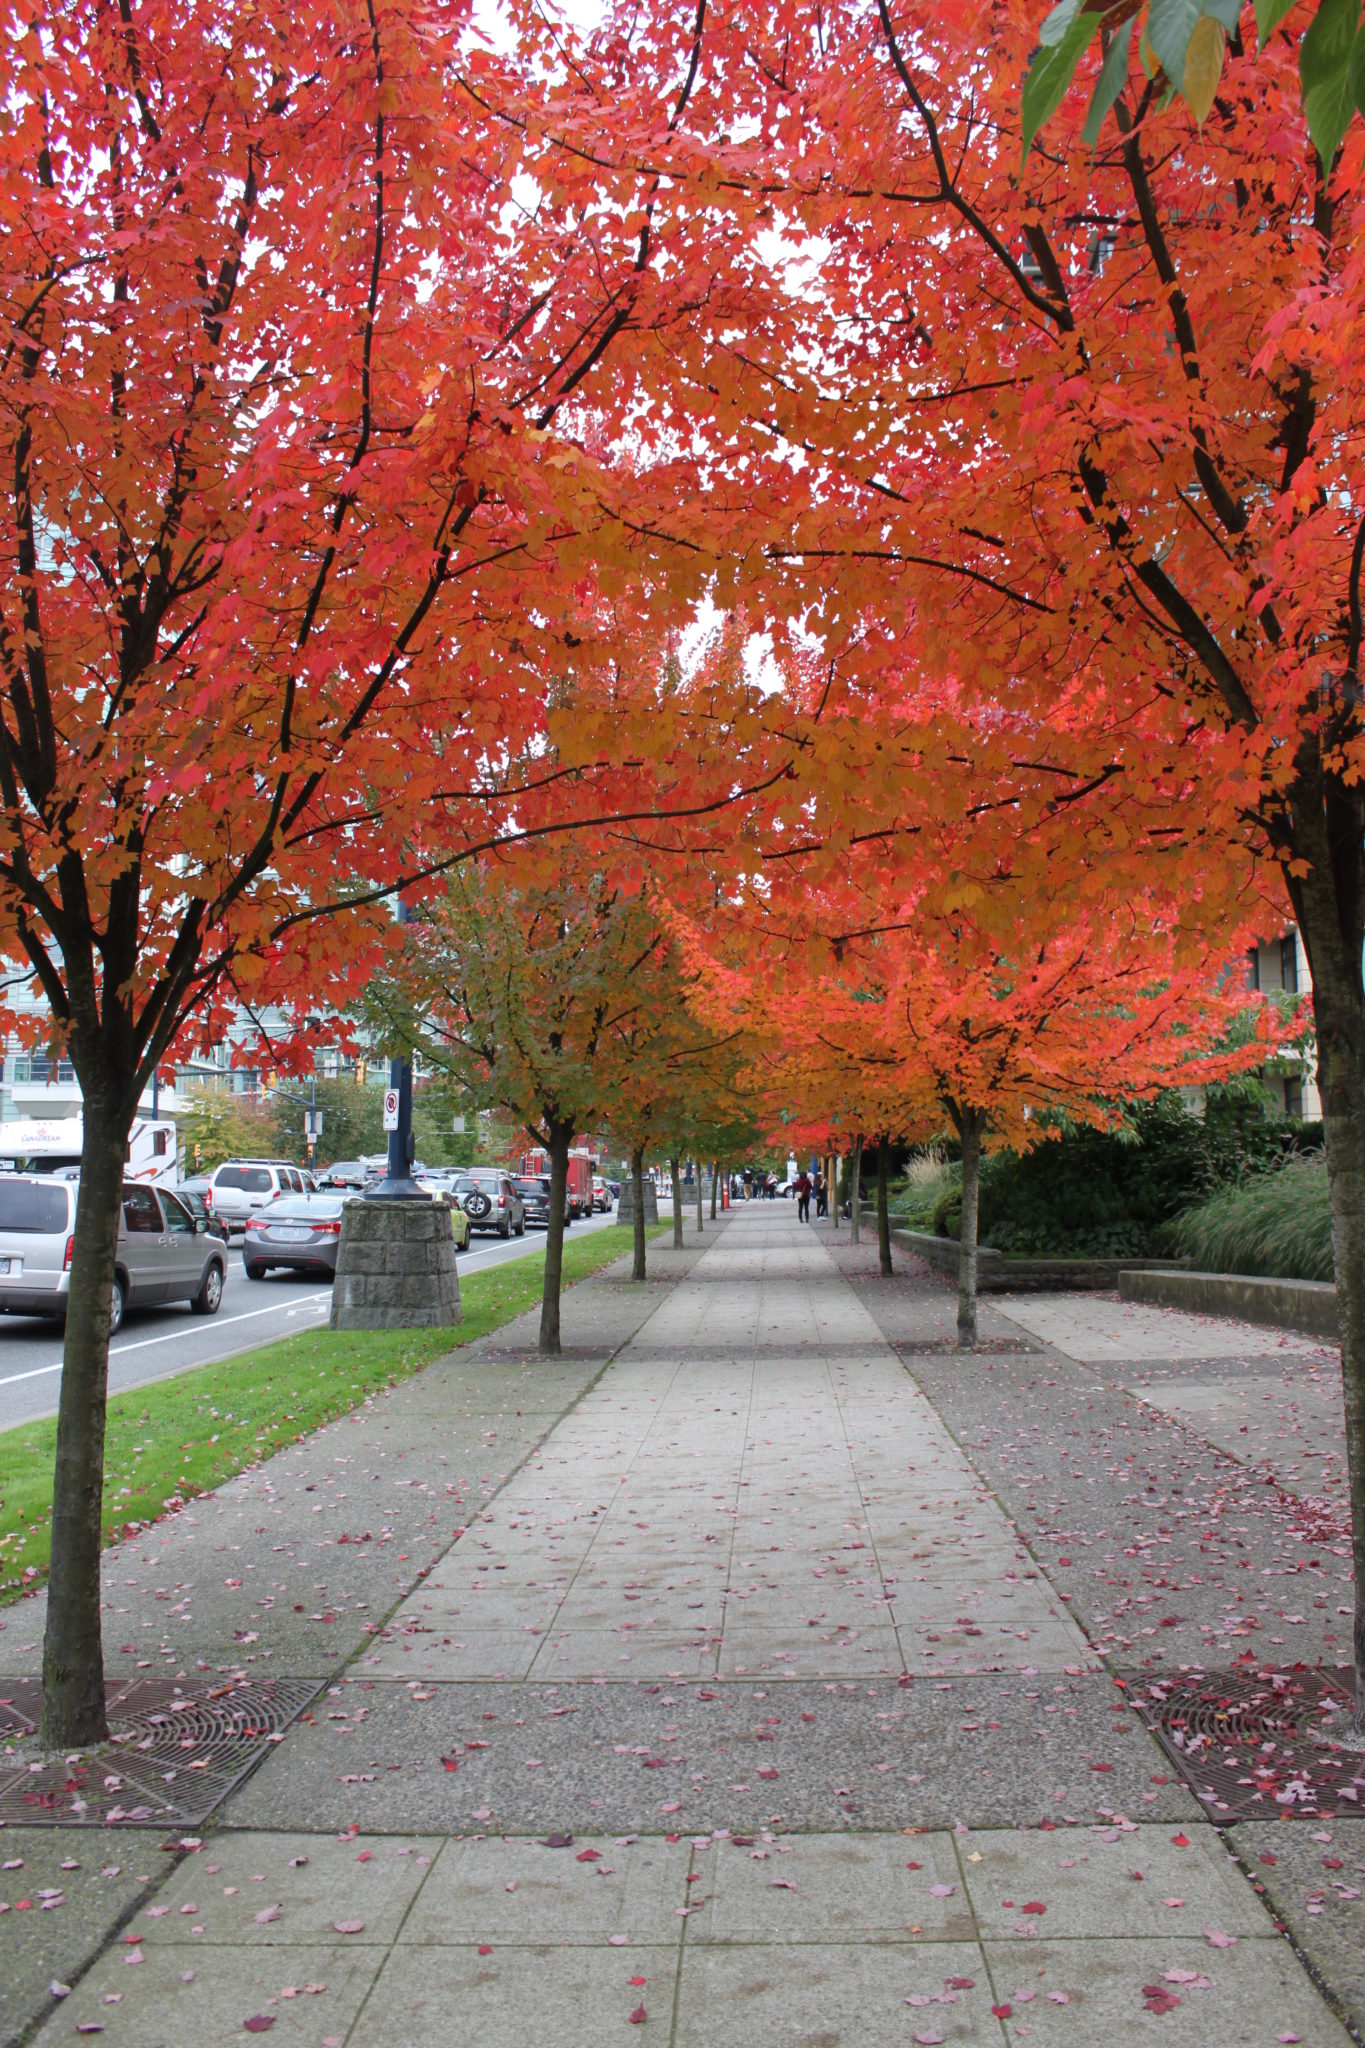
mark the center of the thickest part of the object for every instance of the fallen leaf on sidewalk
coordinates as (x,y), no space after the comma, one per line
(638,2017)
(1158,1999)
(259,2023)
(265,1916)
(349,1926)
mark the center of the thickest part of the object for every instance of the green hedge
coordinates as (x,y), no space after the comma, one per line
(1104,1194)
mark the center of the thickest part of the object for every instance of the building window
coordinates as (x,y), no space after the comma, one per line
(1254,967)
(1293,1096)
(1289,965)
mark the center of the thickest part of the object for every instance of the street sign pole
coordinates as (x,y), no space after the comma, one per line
(398,1184)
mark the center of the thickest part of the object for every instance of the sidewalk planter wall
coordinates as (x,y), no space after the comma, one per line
(395,1267)
(1309,1305)
(625,1208)
(995,1274)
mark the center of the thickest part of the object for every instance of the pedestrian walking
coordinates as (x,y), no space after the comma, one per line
(803,1197)
(821,1195)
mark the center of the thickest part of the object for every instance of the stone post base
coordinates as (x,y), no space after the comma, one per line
(625,1211)
(395,1267)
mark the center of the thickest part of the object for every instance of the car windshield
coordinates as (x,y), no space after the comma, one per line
(531,1187)
(304,1208)
(252,1180)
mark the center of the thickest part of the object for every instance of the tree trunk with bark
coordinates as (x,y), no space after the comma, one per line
(884,1207)
(677,1205)
(1332,940)
(73,1651)
(699,1199)
(637,1182)
(715,1182)
(855,1194)
(560,1136)
(971,1123)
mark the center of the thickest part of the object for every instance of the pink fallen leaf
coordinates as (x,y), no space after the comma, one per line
(259,2023)
(349,1926)
(1289,2037)
(1060,1997)
(1181,1841)
(638,2017)
(924,2040)
(942,1891)
(1194,1978)
(589,1856)
(1002,2012)
(266,1915)
(1172,1902)
(1033,1906)
(1158,1999)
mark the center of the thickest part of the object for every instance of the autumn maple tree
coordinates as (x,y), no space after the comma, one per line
(305,512)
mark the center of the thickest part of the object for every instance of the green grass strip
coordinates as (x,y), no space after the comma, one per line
(166,1442)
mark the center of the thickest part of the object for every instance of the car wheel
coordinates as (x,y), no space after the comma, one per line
(255,1272)
(521,1228)
(209,1299)
(116,1305)
(505,1227)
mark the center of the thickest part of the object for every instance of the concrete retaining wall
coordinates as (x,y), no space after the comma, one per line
(995,1274)
(1308,1305)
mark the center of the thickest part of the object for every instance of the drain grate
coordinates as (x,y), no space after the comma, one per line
(170,1759)
(1256,1745)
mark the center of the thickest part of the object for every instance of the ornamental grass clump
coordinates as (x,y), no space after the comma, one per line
(1278,1225)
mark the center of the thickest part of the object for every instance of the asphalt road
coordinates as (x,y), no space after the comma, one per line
(156,1343)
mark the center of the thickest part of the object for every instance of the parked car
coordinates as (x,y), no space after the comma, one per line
(197,1195)
(343,1173)
(534,1190)
(491,1202)
(299,1232)
(241,1186)
(164,1253)
(459,1222)
(601,1194)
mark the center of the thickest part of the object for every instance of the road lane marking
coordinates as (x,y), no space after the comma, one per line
(171,1336)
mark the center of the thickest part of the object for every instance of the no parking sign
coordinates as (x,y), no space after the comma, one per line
(390,1109)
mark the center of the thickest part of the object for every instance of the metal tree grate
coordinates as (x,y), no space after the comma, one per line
(1256,1745)
(170,1759)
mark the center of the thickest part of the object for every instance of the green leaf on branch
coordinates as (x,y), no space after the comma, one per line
(1051,72)
(1326,69)
(1170,24)
(1058,22)
(1355,71)
(1269,15)
(1110,83)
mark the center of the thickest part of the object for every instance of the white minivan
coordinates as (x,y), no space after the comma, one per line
(164,1253)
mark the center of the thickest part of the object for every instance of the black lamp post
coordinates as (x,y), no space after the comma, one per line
(398,1184)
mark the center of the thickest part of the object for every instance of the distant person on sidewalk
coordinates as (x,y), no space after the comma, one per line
(803,1197)
(821,1195)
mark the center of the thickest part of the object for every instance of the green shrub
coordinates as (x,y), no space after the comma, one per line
(1278,1225)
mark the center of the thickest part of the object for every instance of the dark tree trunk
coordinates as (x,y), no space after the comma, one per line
(715,1180)
(856,1193)
(883,1207)
(637,1182)
(970,1124)
(699,1209)
(561,1137)
(677,1205)
(73,1652)
(1332,941)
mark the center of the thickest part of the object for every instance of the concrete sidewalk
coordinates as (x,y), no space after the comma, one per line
(749,1707)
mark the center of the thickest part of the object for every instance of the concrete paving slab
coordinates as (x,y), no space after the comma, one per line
(827,1994)
(824,1888)
(1313,1880)
(590,1891)
(1247,1997)
(1095,1328)
(430,1997)
(310,1995)
(271,1890)
(64,1894)
(1138,1880)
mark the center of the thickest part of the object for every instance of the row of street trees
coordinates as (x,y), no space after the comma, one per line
(376,411)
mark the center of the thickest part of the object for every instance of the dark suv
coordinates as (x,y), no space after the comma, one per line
(490,1200)
(535,1201)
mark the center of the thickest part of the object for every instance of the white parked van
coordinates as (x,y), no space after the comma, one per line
(53,1145)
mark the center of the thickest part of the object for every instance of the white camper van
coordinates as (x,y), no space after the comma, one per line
(53,1145)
